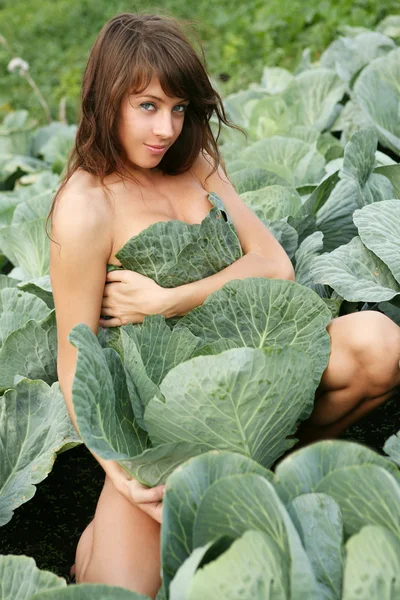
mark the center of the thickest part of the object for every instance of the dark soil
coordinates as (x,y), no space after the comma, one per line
(48,527)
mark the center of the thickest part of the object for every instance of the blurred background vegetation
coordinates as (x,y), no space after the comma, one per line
(239,39)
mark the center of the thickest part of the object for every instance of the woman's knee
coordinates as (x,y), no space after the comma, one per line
(84,552)
(366,345)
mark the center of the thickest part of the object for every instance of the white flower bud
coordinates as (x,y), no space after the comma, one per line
(17,64)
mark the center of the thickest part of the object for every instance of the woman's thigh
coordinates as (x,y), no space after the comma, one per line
(363,367)
(365,354)
(125,546)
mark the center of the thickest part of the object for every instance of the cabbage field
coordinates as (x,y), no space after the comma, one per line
(210,402)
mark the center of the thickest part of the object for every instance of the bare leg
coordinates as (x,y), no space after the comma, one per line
(121,546)
(362,373)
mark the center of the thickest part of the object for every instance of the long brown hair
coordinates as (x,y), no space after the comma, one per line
(128,51)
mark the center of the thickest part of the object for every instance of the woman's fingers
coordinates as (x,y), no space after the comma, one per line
(153,510)
(149,500)
(143,495)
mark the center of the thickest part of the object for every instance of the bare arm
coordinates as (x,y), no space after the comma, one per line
(78,271)
(263,255)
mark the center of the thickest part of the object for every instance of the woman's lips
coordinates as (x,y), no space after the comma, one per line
(156,149)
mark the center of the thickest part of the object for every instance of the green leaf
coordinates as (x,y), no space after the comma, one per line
(392,447)
(329,147)
(161,348)
(17,120)
(27,246)
(57,148)
(25,242)
(302,471)
(390,26)
(30,351)
(275,79)
(377,92)
(265,313)
(16,133)
(235,165)
(22,580)
(17,308)
(379,229)
(355,273)
(312,98)
(391,172)
(372,565)
(308,250)
(366,494)
(295,161)
(199,557)
(149,351)
(238,106)
(154,465)
(269,116)
(174,253)
(238,503)
(319,522)
(7,282)
(349,55)
(390,310)
(253,567)
(286,235)
(184,492)
(40,287)
(319,196)
(140,387)
(243,400)
(359,157)
(273,202)
(358,166)
(254,178)
(8,202)
(44,134)
(102,406)
(14,165)
(34,426)
(305,221)
(306,133)
(90,591)
(335,218)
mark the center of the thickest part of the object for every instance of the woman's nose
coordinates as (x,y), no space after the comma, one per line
(163,125)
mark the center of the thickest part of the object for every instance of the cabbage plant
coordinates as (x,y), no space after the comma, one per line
(211,401)
(229,378)
(313,529)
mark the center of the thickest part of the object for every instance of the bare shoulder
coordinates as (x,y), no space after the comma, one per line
(82,208)
(203,168)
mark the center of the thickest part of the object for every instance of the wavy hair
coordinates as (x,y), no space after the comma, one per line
(128,51)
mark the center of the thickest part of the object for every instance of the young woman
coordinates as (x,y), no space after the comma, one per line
(145,153)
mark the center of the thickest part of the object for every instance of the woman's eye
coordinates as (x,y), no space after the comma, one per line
(183,107)
(144,104)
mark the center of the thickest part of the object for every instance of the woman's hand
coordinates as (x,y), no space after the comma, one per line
(129,297)
(149,500)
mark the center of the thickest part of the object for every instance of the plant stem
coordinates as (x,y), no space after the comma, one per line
(38,93)
(29,79)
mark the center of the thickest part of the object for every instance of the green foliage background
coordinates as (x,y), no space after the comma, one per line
(239,38)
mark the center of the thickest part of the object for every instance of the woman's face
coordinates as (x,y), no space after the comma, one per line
(149,120)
